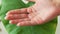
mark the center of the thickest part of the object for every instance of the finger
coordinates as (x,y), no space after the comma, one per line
(18,20)
(16,16)
(31,16)
(29,10)
(32,0)
(24,23)
(34,21)
(17,11)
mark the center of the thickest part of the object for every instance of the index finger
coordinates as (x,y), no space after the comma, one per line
(17,11)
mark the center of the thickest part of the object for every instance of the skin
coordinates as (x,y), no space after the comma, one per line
(40,13)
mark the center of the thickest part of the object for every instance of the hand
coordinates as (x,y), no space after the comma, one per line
(41,12)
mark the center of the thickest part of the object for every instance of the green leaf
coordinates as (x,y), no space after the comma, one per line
(0,7)
(48,28)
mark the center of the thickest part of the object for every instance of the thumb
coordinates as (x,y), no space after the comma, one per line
(32,0)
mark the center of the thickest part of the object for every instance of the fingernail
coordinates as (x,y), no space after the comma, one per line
(10,22)
(5,18)
(6,13)
(18,24)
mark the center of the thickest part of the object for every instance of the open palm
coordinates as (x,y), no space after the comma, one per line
(41,12)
